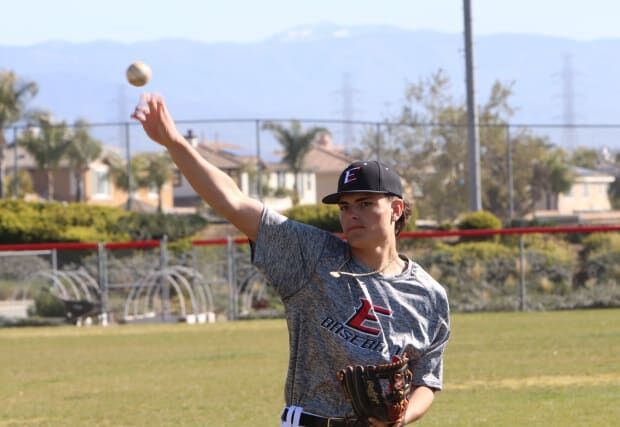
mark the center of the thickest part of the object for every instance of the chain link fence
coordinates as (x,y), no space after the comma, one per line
(138,282)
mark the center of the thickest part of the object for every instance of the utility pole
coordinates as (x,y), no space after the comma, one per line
(473,136)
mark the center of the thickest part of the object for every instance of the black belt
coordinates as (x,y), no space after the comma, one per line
(309,420)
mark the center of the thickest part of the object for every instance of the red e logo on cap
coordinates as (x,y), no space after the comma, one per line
(349,176)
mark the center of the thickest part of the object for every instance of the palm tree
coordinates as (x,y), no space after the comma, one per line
(296,143)
(118,171)
(155,170)
(14,94)
(47,143)
(148,170)
(82,150)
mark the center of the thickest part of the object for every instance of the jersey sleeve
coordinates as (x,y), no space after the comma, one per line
(428,369)
(287,251)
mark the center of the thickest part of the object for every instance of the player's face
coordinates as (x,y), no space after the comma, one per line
(366,219)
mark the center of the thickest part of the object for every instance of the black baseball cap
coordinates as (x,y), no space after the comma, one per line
(368,176)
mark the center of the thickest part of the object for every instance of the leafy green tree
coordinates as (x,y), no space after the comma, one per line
(83,149)
(585,157)
(551,176)
(426,142)
(47,143)
(430,159)
(614,193)
(14,95)
(296,143)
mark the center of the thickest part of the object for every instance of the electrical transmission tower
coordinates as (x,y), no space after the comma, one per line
(347,92)
(568,100)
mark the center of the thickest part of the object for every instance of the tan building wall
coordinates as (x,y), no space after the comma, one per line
(62,184)
(326,183)
(586,194)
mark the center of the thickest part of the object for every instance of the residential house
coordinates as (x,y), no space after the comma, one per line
(98,185)
(240,168)
(322,167)
(327,160)
(586,202)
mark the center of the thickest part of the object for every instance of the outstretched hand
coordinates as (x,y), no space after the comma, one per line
(156,120)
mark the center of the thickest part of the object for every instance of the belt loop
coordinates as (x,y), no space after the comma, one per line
(297,416)
(289,416)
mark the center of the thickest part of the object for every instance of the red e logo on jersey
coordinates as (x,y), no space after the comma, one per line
(365,312)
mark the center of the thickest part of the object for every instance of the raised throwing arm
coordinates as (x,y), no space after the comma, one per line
(216,188)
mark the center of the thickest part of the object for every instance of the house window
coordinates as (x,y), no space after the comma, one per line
(300,185)
(586,190)
(101,182)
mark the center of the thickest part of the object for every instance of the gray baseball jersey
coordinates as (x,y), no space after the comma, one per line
(335,322)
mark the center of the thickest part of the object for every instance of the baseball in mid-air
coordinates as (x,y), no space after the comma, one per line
(138,73)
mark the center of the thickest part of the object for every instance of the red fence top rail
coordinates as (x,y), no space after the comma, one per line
(71,246)
(48,246)
(143,244)
(220,241)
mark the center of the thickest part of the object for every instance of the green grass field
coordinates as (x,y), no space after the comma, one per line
(501,369)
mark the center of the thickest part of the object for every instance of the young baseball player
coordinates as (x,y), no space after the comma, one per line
(348,302)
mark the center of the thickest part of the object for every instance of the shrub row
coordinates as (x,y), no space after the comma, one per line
(26,222)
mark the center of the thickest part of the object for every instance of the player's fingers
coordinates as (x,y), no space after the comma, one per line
(144,98)
(141,111)
(138,116)
(160,106)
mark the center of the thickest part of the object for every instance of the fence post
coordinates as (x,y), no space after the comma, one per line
(15,165)
(230,259)
(102,277)
(511,207)
(522,290)
(54,261)
(165,287)
(259,172)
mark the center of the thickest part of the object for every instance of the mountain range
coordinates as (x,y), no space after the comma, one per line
(324,72)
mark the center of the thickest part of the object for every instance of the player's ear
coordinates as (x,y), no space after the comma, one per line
(398,207)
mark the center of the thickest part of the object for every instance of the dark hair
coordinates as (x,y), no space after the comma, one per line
(401,222)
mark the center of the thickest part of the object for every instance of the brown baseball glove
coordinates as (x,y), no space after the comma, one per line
(378,391)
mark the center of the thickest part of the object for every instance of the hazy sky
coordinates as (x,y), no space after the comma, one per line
(31,21)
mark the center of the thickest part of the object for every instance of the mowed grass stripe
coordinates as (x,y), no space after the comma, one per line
(542,381)
(555,368)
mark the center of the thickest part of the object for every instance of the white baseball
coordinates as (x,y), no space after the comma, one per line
(138,73)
